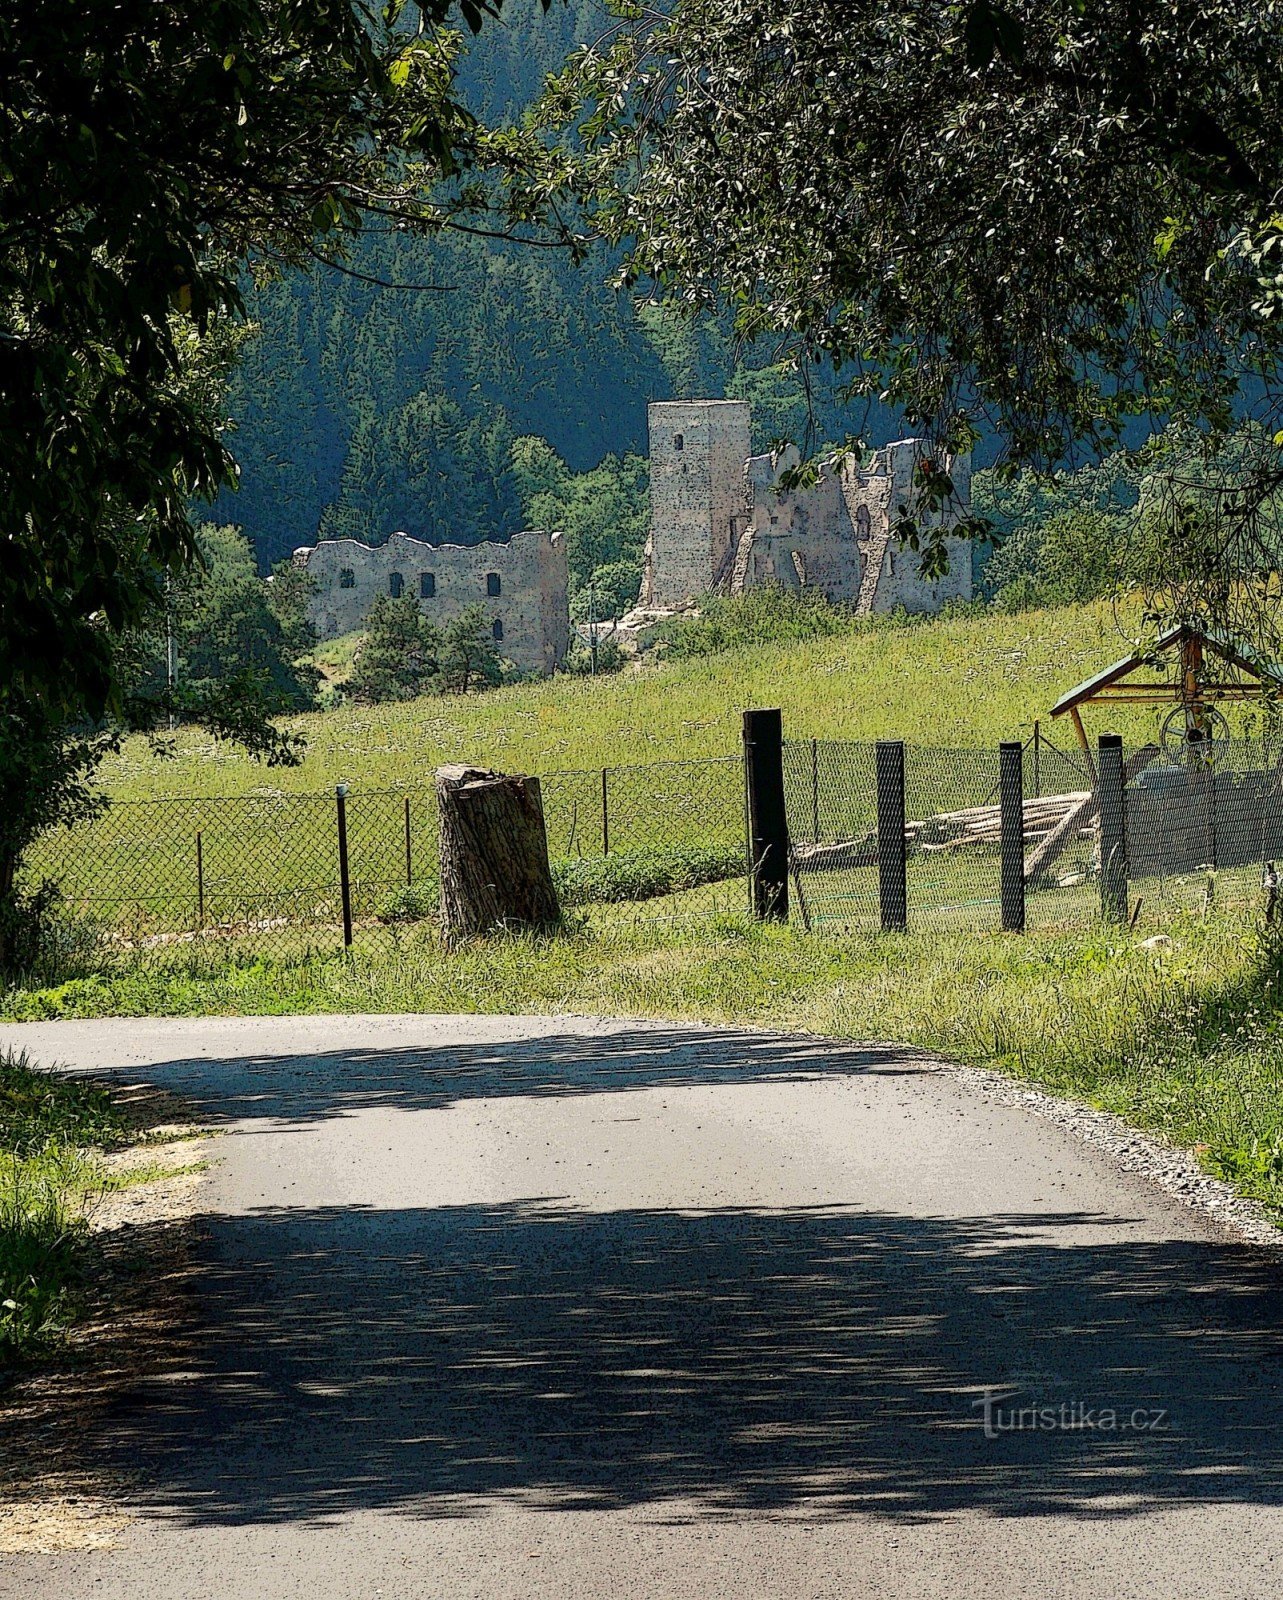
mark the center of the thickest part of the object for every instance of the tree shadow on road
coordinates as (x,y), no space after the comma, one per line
(705,1364)
(306,1086)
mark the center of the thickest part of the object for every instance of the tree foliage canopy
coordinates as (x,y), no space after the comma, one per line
(1042,217)
(149,150)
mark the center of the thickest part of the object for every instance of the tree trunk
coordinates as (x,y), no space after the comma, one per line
(494,854)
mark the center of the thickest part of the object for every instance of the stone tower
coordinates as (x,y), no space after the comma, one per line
(698,453)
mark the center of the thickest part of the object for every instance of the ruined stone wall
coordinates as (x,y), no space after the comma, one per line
(883,490)
(719,519)
(797,538)
(530,608)
(698,451)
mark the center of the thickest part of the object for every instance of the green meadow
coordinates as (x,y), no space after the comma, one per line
(968,680)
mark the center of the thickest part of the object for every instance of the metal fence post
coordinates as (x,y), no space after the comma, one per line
(1037,757)
(200,880)
(893,894)
(1113,828)
(345,882)
(409,854)
(767,822)
(815,791)
(1011,802)
(605,814)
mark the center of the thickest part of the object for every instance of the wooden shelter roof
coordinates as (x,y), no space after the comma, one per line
(1234,652)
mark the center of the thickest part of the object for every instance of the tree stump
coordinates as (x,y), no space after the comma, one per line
(494,853)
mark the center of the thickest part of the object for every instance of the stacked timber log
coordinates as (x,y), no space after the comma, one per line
(1052,823)
(982,824)
(948,830)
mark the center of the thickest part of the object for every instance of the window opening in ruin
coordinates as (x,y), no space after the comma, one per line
(679,441)
(862,520)
(496,630)
(427,585)
(347,578)
(492,584)
(396,583)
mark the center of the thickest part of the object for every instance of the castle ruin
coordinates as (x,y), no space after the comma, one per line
(721,523)
(521,582)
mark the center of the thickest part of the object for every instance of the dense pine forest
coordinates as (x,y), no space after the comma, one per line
(359,409)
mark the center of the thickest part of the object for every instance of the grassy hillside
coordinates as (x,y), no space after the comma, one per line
(962,681)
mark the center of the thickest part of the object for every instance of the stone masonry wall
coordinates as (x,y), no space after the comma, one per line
(797,539)
(718,519)
(698,449)
(883,489)
(531,606)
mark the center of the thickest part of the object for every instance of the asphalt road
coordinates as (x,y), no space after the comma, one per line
(552,1307)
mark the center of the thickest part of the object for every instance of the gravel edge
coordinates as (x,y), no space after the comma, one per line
(1175,1171)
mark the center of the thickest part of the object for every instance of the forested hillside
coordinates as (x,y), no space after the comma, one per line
(360,410)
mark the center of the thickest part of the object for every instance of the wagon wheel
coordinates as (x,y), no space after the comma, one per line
(1207,740)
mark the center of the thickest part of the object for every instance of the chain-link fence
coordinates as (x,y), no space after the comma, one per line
(667,842)
(274,872)
(1196,833)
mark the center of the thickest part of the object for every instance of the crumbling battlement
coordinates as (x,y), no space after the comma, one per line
(520,582)
(720,522)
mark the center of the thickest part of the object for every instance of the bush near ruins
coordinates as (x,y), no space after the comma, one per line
(610,658)
(404,655)
(768,615)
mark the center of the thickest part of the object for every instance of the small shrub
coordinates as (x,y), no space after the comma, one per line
(45,941)
(39,1107)
(610,658)
(644,874)
(46,1171)
(42,1227)
(416,902)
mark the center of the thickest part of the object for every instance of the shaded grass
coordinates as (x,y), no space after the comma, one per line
(49,1127)
(1186,1042)
(54,1131)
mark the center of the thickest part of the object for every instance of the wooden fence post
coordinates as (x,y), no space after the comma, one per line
(767,821)
(893,894)
(1011,802)
(1113,828)
(345,882)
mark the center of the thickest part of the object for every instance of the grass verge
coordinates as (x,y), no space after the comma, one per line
(57,1138)
(1186,1040)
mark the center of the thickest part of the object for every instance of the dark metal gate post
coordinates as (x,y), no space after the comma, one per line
(345,883)
(1113,828)
(893,894)
(767,824)
(1011,802)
